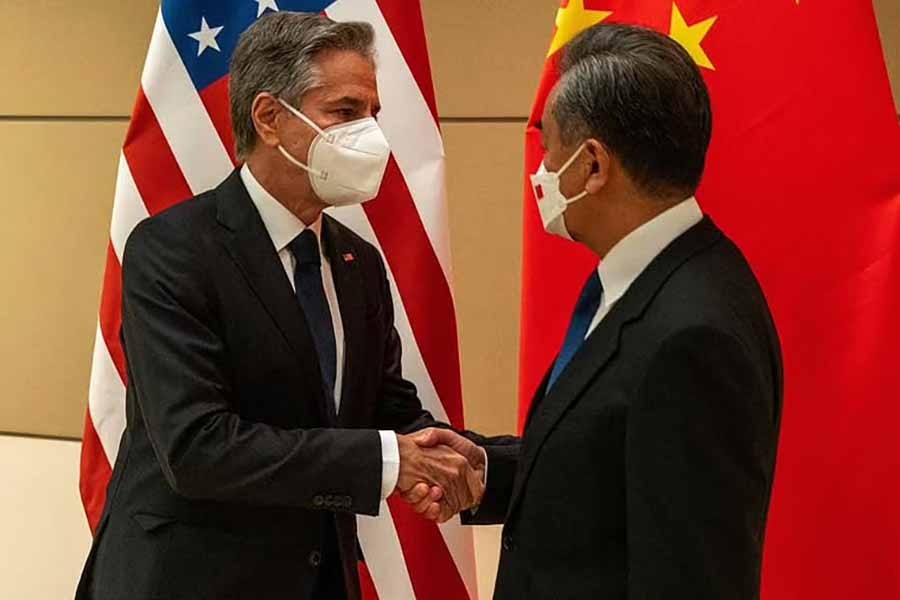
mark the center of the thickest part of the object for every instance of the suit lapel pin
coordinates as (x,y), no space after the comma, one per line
(348,257)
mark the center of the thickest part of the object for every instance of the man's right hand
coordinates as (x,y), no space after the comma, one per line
(437,479)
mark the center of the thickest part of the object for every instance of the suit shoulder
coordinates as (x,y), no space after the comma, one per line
(176,230)
(716,289)
(181,223)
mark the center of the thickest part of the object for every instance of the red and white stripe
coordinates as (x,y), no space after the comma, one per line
(179,144)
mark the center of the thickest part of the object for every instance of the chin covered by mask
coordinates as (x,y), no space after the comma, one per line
(346,161)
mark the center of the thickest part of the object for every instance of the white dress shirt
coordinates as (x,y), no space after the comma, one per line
(636,251)
(283,226)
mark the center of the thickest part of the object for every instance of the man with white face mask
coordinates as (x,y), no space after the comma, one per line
(646,466)
(266,404)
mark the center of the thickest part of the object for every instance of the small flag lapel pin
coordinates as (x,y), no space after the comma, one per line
(348,257)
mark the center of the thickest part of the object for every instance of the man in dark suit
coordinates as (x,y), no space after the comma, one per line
(264,370)
(647,461)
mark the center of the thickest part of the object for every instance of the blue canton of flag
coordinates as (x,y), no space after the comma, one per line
(205,32)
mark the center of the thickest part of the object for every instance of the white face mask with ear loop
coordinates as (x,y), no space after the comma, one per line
(346,161)
(552,204)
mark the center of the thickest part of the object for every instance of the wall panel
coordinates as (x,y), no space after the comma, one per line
(487,55)
(485,190)
(45,537)
(58,185)
(60,57)
(888,12)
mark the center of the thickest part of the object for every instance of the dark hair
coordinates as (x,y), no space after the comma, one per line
(277,54)
(640,94)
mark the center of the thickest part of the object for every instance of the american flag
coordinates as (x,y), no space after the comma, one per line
(179,144)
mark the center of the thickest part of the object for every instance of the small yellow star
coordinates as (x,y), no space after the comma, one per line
(691,36)
(572,20)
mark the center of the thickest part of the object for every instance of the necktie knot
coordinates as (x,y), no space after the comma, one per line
(305,248)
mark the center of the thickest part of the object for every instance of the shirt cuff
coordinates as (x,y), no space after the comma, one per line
(390,462)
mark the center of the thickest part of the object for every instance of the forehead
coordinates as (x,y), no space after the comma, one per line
(346,71)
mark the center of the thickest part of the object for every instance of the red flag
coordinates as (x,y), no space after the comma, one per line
(804,174)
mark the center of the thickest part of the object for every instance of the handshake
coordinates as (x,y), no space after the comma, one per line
(441,473)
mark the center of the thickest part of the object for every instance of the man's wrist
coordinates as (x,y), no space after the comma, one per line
(390,462)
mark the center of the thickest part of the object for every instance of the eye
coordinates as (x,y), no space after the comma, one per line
(346,113)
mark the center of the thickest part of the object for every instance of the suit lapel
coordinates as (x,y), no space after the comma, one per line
(602,344)
(539,395)
(250,247)
(348,285)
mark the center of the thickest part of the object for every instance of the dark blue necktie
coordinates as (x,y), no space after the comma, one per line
(585,311)
(311,294)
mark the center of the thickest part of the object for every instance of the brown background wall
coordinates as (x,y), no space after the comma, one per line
(71,73)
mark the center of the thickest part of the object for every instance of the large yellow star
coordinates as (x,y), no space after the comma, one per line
(572,20)
(690,36)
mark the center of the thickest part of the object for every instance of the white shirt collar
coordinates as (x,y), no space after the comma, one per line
(283,225)
(636,251)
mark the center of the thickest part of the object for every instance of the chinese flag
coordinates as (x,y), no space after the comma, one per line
(804,175)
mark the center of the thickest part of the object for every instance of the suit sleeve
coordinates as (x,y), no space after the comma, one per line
(178,368)
(503,464)
(696,446)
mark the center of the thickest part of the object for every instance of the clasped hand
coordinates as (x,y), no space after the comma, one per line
(441,473)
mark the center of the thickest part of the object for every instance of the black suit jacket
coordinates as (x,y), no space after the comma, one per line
(233,468)
(646,471)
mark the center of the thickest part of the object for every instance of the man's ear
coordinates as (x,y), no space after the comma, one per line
(266,112)
(601,161)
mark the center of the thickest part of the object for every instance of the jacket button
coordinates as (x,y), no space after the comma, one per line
(315,558)
(508,543)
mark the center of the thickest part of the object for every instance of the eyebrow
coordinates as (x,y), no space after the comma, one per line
(347,100)
(356,103)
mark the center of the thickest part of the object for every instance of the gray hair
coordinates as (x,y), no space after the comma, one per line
(277,54)
(640,94)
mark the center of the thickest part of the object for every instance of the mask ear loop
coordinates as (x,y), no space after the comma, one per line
(297,163)
(317,129)
(572,158)
(328,137)
(574,199)
(568,164)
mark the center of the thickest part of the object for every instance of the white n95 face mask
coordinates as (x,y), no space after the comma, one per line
(550,200)
(346,161)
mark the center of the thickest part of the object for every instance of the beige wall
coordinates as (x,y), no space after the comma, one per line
(44,537)
(71,72)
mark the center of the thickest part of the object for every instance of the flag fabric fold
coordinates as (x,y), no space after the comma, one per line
(804,174)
